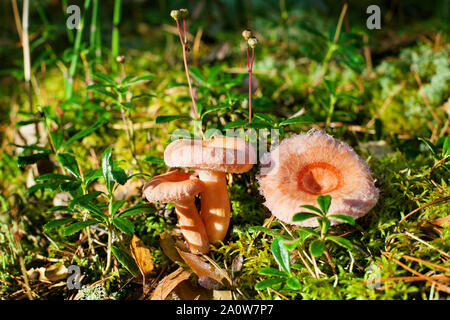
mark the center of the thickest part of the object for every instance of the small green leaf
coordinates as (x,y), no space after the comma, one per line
(107,167)
(343,218)
(166,119)
(77,226)
(235,124)
(25,160)
(312,208)
(271,232)
(137,209)
(291,244)
(105,77)
(267,283)
(271,272)
(116,206)
(324,202)
(155,160)
(141,78)
(301,216)
(84,133)
(281,254)
(119,176)
(446,147)
(57,223)
(57,138)
(69,163)
(124,225)
(127,261)
(215,109)
(297,120)
(317,247)
(41,186)
(70,186)
(54,176)
(341,241)
(293,283)
(84,199)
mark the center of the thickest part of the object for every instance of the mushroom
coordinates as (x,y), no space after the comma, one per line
(180,188)
(307,165)
(212,159)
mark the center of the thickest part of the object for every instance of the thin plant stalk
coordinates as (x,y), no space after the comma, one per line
(333,46)
(250,71)
(115,33)
(186,67)
(108,249)
(26,52)
(93,33)
(77,44)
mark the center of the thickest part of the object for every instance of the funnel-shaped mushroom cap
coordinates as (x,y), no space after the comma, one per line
(226,154)
(173,186)
(308,165)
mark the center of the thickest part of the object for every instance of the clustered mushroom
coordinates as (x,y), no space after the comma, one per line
(180,188)
(305,166)
(211,159)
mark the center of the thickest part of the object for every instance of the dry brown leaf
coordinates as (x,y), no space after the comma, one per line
(169,283)
(222,295)
(169,243)
(441,221)
(201,268)
(142,256)
(186,291)
(53,273)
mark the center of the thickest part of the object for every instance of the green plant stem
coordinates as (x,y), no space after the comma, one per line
(330,110)
(93,36)
(115,33)
(76,50)
(110,230)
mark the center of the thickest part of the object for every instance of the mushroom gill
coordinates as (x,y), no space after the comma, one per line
(307,165)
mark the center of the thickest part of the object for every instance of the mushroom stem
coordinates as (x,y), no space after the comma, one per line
(192,226)
(215,210)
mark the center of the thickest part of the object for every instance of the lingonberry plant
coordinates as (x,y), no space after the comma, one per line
(314,240)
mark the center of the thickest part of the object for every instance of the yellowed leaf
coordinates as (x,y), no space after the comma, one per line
(142,256)
(202,268)
(169,283)
(53,273)
(186,291)
(169,243)
(222,295)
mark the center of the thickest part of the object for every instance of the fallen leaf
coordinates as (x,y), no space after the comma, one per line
(169,283)
(222,295)
(53,273)
(441,221)
(169,243)
(209,283)
(202,268)
(186,291)
(142,256)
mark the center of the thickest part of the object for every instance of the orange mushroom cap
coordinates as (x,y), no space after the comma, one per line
(172,187)
(225,154)
(307,165)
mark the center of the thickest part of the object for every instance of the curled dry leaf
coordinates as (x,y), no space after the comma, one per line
(222,295)
(209,283)
(442,221)
(169,283)
(142,256)
(169,243)
(53,273)
(186,291)
(202,268)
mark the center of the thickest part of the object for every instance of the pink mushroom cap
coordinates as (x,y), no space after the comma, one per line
(225,154)
(307,165)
